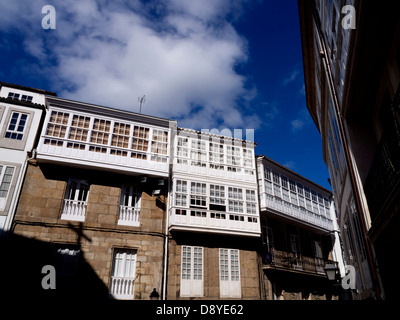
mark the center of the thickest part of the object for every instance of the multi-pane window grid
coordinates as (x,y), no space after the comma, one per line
(217,194)
(16,126)
(198,194)
(216,155)
(192,263)
(100,132)
(229,265)
(108,133)
(79,128)
(181,193)
(239,201)
(291,192)
(6,174)
(15,96)
(57,126)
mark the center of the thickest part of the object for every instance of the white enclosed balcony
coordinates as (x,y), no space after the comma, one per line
(214,222)
(116,144)
(298,213)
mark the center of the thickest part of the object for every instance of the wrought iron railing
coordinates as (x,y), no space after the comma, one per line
(295,261)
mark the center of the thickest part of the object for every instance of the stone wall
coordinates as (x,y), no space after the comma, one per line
(38,217)
(211,243)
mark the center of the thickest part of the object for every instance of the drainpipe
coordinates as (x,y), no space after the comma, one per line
(349,162)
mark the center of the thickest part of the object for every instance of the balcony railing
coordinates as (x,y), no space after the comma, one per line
(212,221)
(129,216)
(293,261)
(73,210)
(122,287)
(297,212)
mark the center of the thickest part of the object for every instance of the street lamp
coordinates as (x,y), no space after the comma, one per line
(154,295)
(331,270)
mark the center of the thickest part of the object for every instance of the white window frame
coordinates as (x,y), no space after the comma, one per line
(192,271)
(123,274)
(74,208)
(229,277)
(5,186)
(19,135)
(129,207)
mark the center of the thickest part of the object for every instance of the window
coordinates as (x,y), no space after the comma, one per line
(181,193)
(198,153)
(318,256)
(295,249)
(129,208)
(67,261)
(75,200)
(198,195)
(268,187)
(120,137)
(229,271)
(159,145)
(6,174)
(26,98)
(140,139)
(248,158)
(217,194)
(15,129)
(267,174)
(79,128)
(275,176)
(57,126)
(123,274)
(284,182)
(235,193)
(100,132)
(183,149)
(233,155)
(251,204)
(192,272)
(13,95)
(216,154)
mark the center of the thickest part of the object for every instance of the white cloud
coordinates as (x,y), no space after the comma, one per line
(184,61)
(291,77)
(302,120)
(290,164)
(297,124)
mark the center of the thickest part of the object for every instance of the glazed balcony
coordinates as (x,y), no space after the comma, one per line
(296,213)
(112,144)
(214,222)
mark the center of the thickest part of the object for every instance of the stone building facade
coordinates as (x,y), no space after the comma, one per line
(123,205)
(99,237)
(214,231)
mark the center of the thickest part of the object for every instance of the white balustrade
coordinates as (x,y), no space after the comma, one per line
(122,287)
(129,216)
(73,210)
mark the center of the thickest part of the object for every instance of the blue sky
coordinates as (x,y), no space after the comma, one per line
(209,64)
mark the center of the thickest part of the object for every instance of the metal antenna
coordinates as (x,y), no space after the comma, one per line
(141,100)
